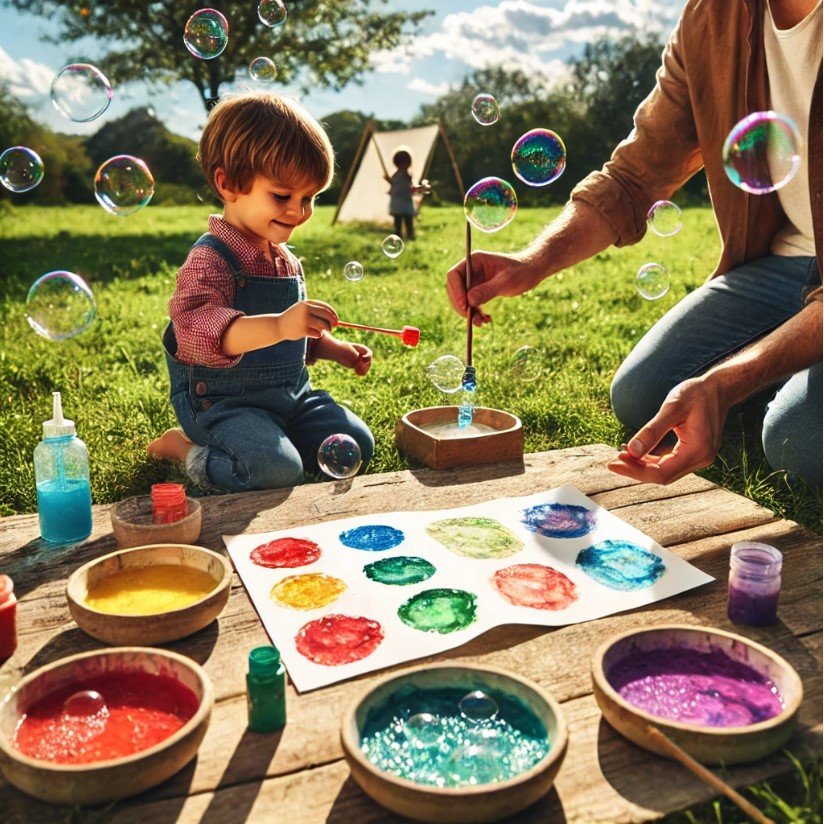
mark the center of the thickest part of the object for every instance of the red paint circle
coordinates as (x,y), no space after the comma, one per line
(536,586)
(338,639)
(285,552)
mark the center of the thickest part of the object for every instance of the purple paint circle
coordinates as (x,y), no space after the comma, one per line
(559,520)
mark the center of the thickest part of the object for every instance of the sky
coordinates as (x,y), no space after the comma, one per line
(536,36)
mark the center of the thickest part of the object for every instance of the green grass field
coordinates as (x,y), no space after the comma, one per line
(583,321)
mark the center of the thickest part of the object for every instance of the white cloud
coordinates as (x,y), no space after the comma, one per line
(27,78)
(424,87)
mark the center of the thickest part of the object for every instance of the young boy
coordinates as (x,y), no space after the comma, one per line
(242,330)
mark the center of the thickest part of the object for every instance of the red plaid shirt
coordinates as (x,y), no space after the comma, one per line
(201,307)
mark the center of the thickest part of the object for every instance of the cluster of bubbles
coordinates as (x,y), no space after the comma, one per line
(272,13)
(263,70)
(392,246)
(206,34)
(485,109)
(652,280)
(60,306)
(538,157)
(353,271)
(81,92)
(339,456)
(21,169)
(84,703)
(490,204)
(123,185)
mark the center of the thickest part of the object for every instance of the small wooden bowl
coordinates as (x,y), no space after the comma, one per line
(480,803)
(145,630)
(709,745)
(110,780)
(414,441)
(132,524)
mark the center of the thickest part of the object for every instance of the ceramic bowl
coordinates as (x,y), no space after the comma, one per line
(709,745)
(479,803)
(163,627)
(102,781)
(132,524)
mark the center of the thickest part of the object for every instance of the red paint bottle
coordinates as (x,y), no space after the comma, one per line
(8,618)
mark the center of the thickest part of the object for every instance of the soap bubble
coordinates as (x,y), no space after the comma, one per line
(339,456)
(83,703)
(490,204)
(652,281)
(477,706)
(272,13)
(539,157)
(476,763)
(263,70)
(423,730)
(392,246)
(81,92)
(60,305)
(21,169)
(206,34)
(527,364)
(485,109)
(664,218)
(353,271)
(123,185)
(762,153)
(446,373)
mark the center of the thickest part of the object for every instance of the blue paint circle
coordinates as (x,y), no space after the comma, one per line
(620,565)
(372,537)
(559,520)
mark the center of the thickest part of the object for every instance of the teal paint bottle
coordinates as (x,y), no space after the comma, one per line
(266,690)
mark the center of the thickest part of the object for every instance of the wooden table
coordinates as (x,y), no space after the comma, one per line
(299,776)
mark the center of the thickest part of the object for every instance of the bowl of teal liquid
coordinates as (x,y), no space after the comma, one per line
(455,743)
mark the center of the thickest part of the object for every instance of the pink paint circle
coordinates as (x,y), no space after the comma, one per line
(338,639)
(536,586)
(285,552)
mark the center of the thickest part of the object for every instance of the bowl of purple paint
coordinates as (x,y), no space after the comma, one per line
(721,697)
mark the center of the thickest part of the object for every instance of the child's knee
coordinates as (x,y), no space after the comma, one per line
(365,440)
(276,470)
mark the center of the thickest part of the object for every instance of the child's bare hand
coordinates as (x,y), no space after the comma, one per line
(306,319)
(355,356)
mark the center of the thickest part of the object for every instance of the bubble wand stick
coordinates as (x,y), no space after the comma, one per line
(469,381)
(409,335)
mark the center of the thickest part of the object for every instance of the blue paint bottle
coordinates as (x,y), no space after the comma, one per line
(61,471)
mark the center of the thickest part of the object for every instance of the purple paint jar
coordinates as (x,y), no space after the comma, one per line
(754,584)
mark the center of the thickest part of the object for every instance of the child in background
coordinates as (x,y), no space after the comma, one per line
(401,189)
(242,331)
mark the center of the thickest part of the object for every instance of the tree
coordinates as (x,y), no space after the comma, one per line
(324,43)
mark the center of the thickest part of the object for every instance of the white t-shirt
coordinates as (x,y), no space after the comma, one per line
(793,57)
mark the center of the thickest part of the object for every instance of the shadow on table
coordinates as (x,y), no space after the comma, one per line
(468,474)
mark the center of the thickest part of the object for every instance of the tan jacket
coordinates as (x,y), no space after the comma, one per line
(714,73)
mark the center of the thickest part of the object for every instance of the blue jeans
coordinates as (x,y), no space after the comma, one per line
(715,321)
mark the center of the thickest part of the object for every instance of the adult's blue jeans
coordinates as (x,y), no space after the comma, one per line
(710,324)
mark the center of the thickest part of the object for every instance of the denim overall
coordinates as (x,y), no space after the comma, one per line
(259,424)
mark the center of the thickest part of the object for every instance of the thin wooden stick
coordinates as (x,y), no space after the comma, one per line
(396,332)
(469,310)
(705,775)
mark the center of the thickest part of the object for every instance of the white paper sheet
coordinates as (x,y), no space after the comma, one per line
(380,602)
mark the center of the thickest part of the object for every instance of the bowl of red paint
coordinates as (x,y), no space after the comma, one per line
(133,523)
(722,698)
(104,725)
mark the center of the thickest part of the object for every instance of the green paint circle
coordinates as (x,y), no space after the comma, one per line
(439,610)
(474,537)
(400,571)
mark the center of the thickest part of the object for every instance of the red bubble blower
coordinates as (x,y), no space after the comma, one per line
(409,335)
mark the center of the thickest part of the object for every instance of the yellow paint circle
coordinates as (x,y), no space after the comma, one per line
(308,591)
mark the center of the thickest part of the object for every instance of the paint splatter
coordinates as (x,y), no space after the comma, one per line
(285,552)
(559,520)
(338,639)
(536,586)
(620,565)
(440,610)
(400,571)
(475,537)
(372,537)
(307,591)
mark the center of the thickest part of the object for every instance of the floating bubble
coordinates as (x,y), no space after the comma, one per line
(762,153)
(485,109)
(60,305)
(272,13)
(446,373)
(527,364)
(81,92)
(490,204)
(21,169)
(263,70)
(339,456)
(123,185)
(83,703)
(664,218)
(392,246)
(539,157)
(652,281)
(424,730)
(477,706)
(476,763)
(206,34)
(353,271)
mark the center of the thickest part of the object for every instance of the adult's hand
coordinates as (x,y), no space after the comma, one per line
(695,411)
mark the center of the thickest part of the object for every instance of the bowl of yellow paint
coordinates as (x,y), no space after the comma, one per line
(149,594)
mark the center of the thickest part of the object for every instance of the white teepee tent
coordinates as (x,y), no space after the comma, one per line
(364,196)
